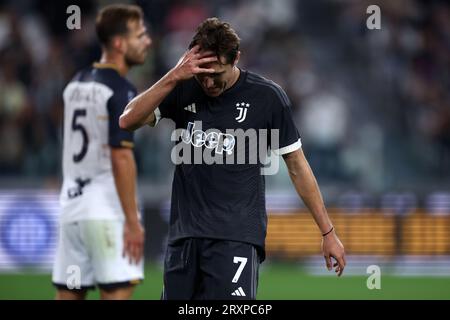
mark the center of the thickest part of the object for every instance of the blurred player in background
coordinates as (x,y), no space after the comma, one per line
(218,217)
(101,235)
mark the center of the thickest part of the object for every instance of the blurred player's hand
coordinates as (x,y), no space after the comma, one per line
(190,64)
(332,248)
(133,244)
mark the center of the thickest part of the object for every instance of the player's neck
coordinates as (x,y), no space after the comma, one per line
(114,62)
(234,78)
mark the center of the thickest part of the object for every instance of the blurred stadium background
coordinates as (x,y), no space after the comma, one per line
(372,107)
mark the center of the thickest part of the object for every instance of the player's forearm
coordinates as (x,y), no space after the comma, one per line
(139,111)
(124,169)
(307,188)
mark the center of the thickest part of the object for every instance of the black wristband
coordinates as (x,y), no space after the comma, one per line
(323,235)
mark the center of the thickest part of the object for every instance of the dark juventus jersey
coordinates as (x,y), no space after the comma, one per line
(225,200)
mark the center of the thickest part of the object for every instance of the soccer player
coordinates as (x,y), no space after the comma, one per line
(101,237)
(218,217)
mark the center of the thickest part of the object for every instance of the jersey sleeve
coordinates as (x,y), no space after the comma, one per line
(167,108)
(282,126)
(119,138)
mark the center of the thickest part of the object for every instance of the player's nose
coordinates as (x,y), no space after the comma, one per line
(148,41)
(208,82)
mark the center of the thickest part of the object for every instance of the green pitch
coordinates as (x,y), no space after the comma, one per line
(277,281)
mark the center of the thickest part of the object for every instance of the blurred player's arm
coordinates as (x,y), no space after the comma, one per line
(140,110)
(124,169)
(307,188)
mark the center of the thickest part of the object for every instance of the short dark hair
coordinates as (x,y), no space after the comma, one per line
(113,20)
(217,36)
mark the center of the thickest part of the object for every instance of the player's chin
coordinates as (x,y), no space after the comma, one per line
(213,93)
(136,61)
(141,60)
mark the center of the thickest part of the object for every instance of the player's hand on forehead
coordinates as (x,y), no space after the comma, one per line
(197,50)
(192,63)
(203,56)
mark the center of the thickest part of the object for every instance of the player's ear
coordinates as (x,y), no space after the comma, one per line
(237,59)
(119,44)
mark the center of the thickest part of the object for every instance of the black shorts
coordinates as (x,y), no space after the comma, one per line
(210,269)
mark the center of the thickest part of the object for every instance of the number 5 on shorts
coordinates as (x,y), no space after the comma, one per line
(243,262)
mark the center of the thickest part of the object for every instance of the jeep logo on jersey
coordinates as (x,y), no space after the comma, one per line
(242,107)
(241,146)
(211,140)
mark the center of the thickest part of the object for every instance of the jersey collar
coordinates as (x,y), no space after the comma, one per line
(99,65)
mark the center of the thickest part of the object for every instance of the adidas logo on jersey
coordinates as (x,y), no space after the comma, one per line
(238,292)
(191,108)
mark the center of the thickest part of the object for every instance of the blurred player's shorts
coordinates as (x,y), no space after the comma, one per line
(90,253)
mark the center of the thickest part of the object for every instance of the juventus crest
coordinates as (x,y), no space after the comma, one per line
(242,108)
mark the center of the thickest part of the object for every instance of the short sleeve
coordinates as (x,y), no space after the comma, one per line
(286,133)
(119,138)
(167,107)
